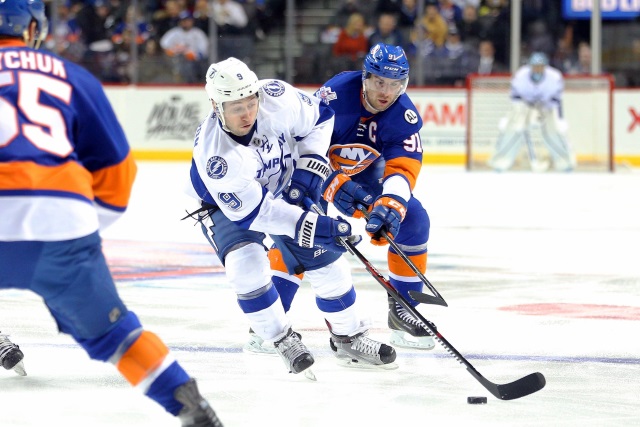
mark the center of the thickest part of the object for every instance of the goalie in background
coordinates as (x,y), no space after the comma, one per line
(536,93)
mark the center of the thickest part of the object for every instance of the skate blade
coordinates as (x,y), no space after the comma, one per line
(308,373)
(19,368)
(253,347)
(354,364)
(404,340)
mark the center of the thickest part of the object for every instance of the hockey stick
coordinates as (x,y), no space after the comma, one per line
(419,296)
(513,390)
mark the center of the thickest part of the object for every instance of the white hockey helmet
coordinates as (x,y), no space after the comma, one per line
(230,80)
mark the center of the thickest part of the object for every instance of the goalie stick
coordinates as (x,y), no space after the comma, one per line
(513,390)
(424,298)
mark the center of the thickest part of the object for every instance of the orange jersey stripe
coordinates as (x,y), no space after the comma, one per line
(408,167)
(277,262)
(68,177)
(112,185)
(400,268)
(143,357)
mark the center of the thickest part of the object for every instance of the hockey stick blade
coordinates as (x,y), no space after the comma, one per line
(423,298)
(513,390)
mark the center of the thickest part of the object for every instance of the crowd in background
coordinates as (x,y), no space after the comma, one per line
(452,38)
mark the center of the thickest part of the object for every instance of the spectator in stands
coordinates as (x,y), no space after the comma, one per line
(201,14)
(153,66)
(386,31)
(64,35)
(451,12)
(188,47)
(449,58)
(496,17)
(230,17)
(347,7)
(94,36)
(484,61)
(583,64)
(388,6)
(565,55)
(165,19)
(407,15)
(431,32)
(471,30)
(142,28)
(352,43)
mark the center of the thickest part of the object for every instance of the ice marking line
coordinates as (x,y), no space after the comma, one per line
(580,311)
(407,354)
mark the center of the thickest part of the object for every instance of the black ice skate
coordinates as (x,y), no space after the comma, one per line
(11,356)
(406,330)
(196,411)
(294,353)
(362,352)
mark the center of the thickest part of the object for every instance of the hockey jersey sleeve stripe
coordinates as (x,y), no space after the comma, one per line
(408,167)
(69,177)
(399,268)
(112,185)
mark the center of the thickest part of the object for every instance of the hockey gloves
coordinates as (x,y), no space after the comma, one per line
(308,176)
(387,214)
(319,231)
(345,194)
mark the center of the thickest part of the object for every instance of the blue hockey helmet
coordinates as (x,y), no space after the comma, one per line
(385,60)
(16,15)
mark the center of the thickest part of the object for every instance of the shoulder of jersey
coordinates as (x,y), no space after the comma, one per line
(405,106)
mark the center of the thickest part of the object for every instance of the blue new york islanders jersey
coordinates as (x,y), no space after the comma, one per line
(361,139)
(64,158)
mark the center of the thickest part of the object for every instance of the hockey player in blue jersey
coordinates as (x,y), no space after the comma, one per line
(66,172)
(376,156)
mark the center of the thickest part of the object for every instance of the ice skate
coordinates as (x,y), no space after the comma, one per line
(294,353)
(256,345)
(11,356)
(362,352)
(406,330)
(196,411)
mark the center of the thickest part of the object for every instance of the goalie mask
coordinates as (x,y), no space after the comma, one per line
(385,70)
(17,15)
(230,80)
(538,62)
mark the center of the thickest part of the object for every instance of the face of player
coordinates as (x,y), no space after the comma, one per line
(537,71)
(239,116)
(381,92)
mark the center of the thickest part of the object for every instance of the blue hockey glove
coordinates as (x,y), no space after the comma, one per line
(387,214)
(306,181)
(345,194)
(320,231)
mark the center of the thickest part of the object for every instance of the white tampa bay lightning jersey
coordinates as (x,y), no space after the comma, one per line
(245,176)
(546,93)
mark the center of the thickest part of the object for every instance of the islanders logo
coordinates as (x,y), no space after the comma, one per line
(216,167)
(352,158)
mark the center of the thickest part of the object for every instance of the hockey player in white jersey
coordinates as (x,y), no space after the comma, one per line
(536,94)
(260,151)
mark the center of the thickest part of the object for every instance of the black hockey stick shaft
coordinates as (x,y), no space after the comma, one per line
(438,300)
(513,390)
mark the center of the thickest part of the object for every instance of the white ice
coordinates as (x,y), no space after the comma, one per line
(541,273)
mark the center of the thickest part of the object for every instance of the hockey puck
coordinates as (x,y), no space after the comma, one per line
(477,400)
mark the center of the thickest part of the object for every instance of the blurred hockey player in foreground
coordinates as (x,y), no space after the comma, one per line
(376,156)
(65,172)
(259,153)
(11,356)
(536,94)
